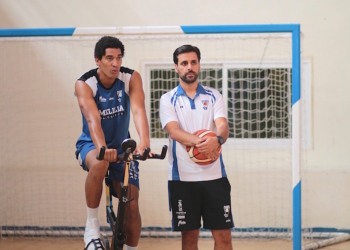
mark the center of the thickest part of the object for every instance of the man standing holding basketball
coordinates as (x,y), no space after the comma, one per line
(196,191)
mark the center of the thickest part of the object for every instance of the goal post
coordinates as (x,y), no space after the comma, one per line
(257,68)
(294,29)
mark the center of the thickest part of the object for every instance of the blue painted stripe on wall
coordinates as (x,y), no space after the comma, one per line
(297,217)
(36,32)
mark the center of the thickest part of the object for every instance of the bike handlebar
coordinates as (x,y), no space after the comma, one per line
(125,156)
(101,155)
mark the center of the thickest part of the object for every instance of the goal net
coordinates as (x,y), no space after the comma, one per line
(41,183)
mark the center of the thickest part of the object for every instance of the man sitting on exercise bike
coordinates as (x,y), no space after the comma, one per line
(105,96)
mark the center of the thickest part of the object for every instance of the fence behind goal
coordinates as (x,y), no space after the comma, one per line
(252,66)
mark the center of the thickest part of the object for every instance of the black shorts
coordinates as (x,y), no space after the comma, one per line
(209,200)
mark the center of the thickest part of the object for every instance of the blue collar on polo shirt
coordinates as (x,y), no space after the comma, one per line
(200,90)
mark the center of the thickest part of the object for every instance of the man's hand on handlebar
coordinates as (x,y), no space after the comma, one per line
(111,155)
(140,149)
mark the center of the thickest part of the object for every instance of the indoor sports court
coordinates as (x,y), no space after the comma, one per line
(153,244)
(281,69)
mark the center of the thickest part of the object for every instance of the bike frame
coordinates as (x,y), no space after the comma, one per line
(117,223)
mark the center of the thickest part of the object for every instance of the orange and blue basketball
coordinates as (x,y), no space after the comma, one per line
(193,152)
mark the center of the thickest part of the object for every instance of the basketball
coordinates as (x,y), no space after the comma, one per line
(193,152)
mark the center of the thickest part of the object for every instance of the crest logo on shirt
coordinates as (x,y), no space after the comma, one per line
(102,99)
(205,104)
(119,94)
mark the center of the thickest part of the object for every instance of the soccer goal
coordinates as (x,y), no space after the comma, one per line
(257,68)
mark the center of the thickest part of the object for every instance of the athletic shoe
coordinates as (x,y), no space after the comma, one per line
(92,235)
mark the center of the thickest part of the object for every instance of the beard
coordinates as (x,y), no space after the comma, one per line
(189,80)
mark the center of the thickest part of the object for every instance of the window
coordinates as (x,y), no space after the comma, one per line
(259,102)
(258,97)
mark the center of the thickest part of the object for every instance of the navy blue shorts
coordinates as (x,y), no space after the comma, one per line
(116,172)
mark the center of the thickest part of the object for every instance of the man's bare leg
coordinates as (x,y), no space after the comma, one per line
(190,239)
(93,193)
(222,239)
(94,179)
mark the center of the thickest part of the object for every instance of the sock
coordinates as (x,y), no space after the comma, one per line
(92,229)
(92,212)
(130,248)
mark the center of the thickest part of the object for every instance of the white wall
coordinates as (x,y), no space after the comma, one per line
(325,25)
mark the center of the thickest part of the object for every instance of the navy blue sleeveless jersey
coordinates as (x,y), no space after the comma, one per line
(114,107)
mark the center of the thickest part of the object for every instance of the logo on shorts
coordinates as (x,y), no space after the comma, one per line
(226,210)
(181,215)
(205,104)
(179,203)
(133,173)
(181,222)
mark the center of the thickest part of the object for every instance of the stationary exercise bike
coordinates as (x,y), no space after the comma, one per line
(117,223)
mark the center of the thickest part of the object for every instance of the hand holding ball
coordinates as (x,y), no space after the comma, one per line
(193,152)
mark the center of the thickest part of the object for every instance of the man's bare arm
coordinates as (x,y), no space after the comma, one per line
(181,136)
(137,101)
(222,127)
(92,116)
(210,145)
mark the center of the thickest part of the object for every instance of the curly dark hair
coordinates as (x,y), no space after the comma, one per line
(107,42)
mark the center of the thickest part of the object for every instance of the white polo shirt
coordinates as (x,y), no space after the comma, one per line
(192,115)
